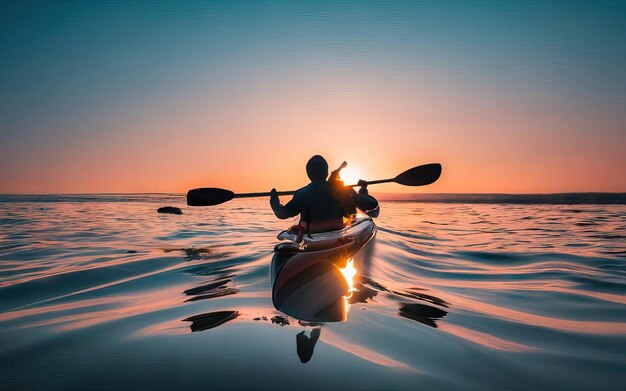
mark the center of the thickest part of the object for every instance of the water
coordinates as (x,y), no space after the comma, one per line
(94,291)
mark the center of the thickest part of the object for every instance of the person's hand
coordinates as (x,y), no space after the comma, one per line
(335,176)
(363,184)
(274,195)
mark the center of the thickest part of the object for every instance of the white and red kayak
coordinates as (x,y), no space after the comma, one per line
(307,282)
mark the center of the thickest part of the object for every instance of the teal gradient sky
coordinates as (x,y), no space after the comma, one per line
(510,96)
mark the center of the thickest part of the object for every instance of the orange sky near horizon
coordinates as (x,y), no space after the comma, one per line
(258,143)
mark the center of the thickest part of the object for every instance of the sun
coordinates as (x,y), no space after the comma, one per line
(350,176)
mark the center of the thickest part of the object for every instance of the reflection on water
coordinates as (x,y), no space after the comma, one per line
(210,320)
(280,320)
(305,344)
(348,272)
(361,294)
(211,290)
(534,294)
(422,313)
(192,254)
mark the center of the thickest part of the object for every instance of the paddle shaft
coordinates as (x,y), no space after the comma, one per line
(416,176)
(292,192)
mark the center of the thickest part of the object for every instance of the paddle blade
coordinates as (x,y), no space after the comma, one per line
(365,202)
(208,196)
(420,175)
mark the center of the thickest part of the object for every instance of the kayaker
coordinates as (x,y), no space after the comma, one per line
(314,202)
(322,204)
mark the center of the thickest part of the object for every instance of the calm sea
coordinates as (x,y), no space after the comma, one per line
(482,292)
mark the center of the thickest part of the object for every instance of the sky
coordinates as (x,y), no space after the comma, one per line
(128,96)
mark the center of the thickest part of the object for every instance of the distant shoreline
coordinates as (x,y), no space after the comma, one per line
(589,198)
(502,198)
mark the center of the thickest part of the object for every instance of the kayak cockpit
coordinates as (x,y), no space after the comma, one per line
(358,229)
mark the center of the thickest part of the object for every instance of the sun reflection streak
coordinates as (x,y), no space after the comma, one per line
(348,272)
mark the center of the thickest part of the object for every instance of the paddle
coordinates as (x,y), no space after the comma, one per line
(416,176)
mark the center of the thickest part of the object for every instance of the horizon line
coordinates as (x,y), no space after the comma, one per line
(381,193)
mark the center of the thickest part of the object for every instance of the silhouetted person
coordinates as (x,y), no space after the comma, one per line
(319,210)
(305,345)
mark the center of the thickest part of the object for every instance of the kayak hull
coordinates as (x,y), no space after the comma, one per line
(307,283)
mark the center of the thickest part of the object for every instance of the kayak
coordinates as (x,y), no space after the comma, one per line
(307,280)
(355,232)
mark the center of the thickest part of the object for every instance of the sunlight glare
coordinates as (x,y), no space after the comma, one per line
(349,271)
(350,176)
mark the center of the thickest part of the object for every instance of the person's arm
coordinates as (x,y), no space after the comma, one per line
(366,202)
(334,176)
(363,189)
(303,228)
(343,194)
(291,209)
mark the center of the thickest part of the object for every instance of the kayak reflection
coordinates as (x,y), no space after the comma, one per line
(305,344)
(309,284)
